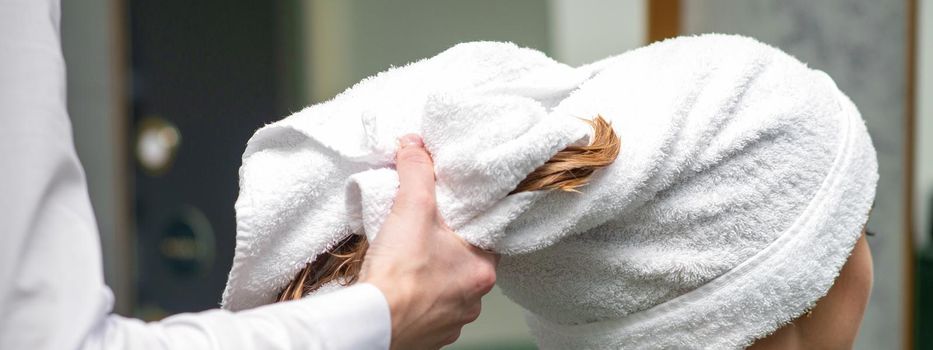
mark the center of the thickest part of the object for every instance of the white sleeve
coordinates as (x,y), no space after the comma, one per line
(353,318)
(52,293)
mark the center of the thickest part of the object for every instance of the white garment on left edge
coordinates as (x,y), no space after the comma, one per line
(52,293)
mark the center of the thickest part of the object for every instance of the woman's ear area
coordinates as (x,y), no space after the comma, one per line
(836,318)
(863,241)
(834,321)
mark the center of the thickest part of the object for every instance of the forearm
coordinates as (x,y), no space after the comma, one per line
(352,318)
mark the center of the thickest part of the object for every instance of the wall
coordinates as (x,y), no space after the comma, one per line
(862,46)
(923,202)
(351,39)
(583,31)
(90,37)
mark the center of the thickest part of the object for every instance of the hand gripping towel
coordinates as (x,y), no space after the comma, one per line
(742,185)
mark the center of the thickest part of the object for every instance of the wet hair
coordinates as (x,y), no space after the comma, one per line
(567,170)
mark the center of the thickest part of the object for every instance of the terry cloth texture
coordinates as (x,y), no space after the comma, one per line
(741,187)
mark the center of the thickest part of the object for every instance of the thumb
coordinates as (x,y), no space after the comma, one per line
(416,177)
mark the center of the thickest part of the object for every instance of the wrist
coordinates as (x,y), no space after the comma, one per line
(397,299)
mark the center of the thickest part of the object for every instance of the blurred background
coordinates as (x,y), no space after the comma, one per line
(164,95)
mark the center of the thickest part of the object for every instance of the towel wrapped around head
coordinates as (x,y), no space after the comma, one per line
(742,185)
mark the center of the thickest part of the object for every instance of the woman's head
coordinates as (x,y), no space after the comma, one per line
(744,182)
(834,321)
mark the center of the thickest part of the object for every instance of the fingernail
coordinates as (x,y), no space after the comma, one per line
(410,140)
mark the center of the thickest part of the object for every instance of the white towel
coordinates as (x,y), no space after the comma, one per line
(741,187)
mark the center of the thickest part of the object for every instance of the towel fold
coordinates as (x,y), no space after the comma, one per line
(741,187)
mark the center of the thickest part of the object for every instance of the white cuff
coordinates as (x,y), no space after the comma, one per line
(356,317)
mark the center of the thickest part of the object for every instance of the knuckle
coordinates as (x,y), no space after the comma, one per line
(490,275)
(473,312)
(452,337)
(485,278)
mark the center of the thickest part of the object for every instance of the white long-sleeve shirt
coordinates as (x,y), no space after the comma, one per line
(52,293)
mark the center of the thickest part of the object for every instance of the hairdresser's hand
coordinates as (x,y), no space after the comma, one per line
(432,279)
